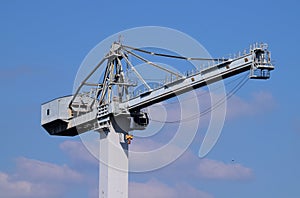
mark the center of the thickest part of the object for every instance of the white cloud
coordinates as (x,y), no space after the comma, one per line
(212,169)
(185,190)
(205,168)
(258,103)
(37,179)
(14,188)
(192,168)
(151,189)
(36,170)
(154,188)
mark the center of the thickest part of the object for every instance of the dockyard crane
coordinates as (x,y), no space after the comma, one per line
(113,108)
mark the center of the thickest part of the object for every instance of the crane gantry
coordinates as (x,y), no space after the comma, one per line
(112,108)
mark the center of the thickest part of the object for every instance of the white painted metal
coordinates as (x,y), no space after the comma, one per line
(113,117)
(113,167)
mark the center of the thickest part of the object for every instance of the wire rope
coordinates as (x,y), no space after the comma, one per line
(173,56)
(199,94)
(209,109)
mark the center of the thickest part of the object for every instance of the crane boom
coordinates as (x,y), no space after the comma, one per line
(197,79)
(71,115)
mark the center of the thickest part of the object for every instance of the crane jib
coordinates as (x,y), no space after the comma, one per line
(97,109)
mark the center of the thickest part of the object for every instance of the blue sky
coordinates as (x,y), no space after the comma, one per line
(43,44)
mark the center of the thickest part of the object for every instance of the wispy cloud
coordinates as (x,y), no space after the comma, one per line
(36,170)
(212,169)
(167,184)
(193,168)
(11,189)
(154,188)
(34,178)
(258,103)
(208,169)
(137,189)
(38,179)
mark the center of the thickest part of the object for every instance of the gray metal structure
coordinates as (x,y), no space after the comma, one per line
(112,109)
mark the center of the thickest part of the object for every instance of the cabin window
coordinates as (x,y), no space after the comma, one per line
(48,112)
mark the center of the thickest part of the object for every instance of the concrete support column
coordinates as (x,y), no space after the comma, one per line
(113,167)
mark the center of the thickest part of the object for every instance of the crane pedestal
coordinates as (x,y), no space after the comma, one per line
(113,167)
